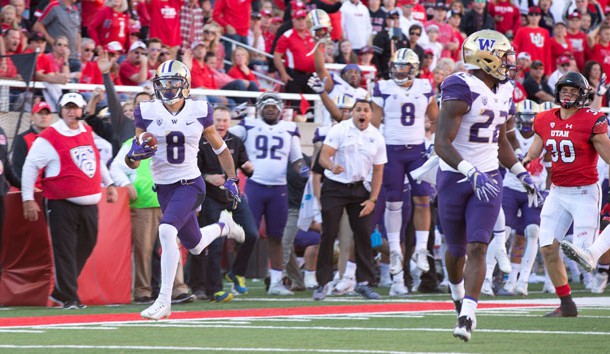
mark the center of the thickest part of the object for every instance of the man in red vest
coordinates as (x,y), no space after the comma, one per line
(71,186)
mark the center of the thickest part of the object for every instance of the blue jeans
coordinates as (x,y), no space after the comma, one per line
(204,270)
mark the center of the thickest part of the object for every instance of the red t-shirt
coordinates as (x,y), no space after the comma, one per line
(91,74)
(601,54)
(557,49)
(108,26)
(419,13)
(235,13)
(511,18)
(579,47)
(296,49)
(165,21)
(236,73)
(519,93)
(43,64)
(127,70)
(536,42)
(202,76)
(568,141)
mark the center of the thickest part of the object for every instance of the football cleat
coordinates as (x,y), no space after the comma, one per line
(487,289)
(581,256)
(398,289)
(395,262)
(463,328)
(421,259)
(279,289)
(236,232)
(600,281)
(345,286)
(222,296)
(238,283)
(567,310)
(320,292)
(159,309)
(521,288)
(502,257)
(367,292)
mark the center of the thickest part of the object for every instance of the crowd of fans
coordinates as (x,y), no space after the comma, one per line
(139,35)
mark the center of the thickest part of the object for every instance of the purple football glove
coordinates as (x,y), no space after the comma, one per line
(532,192)
(231,186)
(140,151)
(484,187)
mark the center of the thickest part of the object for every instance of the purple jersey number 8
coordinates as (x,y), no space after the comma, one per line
(175,147)
(407,116)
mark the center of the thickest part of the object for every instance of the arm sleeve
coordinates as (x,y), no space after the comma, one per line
(242,154)
(333,138)
(382,156)
(106,178)
(239,130)
(454,88)
(38,157)
(295,149)
(20,151)
(114,104)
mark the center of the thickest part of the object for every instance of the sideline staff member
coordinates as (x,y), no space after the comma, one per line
(352,149)
(72,188)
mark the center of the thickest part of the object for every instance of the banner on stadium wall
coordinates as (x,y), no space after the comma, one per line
(27,258)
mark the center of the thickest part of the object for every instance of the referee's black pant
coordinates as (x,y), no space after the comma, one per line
(73,235)
(336,197)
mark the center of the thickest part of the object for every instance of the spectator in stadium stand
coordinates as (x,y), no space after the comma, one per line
(211,35)
(578,39)
(457,6)
(390,38)
(72,191)
(134,69)
(89,8)
(563,67)
(329,52)
(8,16)
(424,69)
(12,41)
(154,47)
(62,18)
(507,17)
(477,18)
(547,20)
(234,17)
(271,32)
(54,68)
(407,20)
(585,23)
(41,118)
(139,13)
(524,61)
(377,16)
(419,11)
(86,75)
(365,57)
(356,23)
(536,85)
(593,73)
(111,24)
(534,39)
(601,50)
(290,56)
(446,35)
(586,6)
(165,22)
(455,19)
(23,22)
(255,36)
(346,53)
(560,45)
(191,23)
(240,69)
(8,178)
(414,33)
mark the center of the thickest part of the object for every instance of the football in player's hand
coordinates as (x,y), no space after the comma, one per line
(149,139)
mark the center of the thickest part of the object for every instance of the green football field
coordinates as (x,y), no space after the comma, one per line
(256,323)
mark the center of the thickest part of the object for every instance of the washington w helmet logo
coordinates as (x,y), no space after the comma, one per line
(486,44)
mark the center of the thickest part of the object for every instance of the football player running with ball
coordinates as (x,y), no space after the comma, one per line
(178,122)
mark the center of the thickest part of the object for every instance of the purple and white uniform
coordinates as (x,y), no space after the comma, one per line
(341,87)
(465,218)
(271,148)
(404,112)
(180,187)
(515,196)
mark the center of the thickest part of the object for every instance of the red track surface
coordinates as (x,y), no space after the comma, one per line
(268,312)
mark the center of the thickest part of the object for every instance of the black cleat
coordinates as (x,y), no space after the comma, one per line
(463,328)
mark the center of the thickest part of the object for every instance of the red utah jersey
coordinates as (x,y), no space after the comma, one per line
(568,141)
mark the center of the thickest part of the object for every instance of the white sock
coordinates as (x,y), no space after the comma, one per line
(530,251)
(469,306)
(275,275)
(421,239)
(208,235)
(457,290)
(393,222)
(350,270)
(490,258)
(170,254)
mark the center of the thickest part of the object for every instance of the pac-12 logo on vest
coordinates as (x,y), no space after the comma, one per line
(486,44)
(84,158)
(537,39)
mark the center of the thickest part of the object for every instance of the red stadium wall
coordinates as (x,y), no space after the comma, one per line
(27,259)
